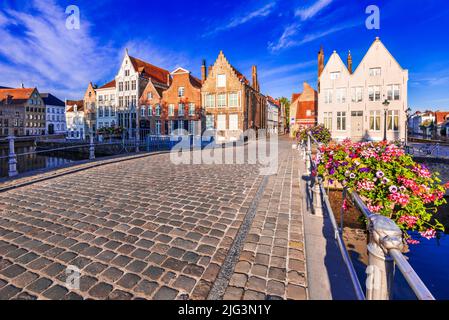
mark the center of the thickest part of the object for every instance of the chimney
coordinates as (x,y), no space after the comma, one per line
(168,79)
(350,62)
(320,66)
(255,80)
(23,86)
(203,71)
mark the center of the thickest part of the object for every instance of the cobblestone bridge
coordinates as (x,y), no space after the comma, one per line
(146,228)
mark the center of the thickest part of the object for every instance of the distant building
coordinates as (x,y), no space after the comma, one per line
(304,109)
(22,112)
(441,122)
(232,104)
(351,104)
(55,122)
(90,109)
(76,125)
(422,123)
(106,106)
(273,111)
(182,103)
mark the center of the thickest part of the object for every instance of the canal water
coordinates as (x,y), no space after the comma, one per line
(430,258)
(28,160)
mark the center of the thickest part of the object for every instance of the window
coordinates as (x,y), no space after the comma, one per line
(221,100)
(158,111)
(335,75)
(126,73)
(393,120)
(393,92)
(328,120)
(209,122)
(191,109)
(120,102)
(112,97)
(120,86)
(210,101)
(142,111)
(171,110)
(191,127)
(134,100)
(158,127)
(221,122)
(133,85)
(233,100)
(374,121)
(374,93)
(328,96)
(171,126)
(341,95)
(341,121)
(221,81)
(100,98)
(181,92)
(127,101)
(181,110)
(100,112)
(106,111)
(112,111)
(149,95)
(374,72)
(150,111)
(127,86)
(233,122)
(357,94)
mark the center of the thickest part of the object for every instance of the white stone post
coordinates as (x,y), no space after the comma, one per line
(308,155)
(317,197)
(12,158)
(91,147)
(385,235)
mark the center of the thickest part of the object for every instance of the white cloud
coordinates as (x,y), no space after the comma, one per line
(268,73)
(48,55)
(242,19)
(310,12)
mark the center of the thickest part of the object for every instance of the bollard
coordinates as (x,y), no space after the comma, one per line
(318,197)
(137,141)
(91,147)
(12,158)
(385,235)
(308,155)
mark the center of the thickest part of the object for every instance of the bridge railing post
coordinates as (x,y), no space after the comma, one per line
(384,235)
(12,158)
(308,155)
(91,147)
(137,140)
(317,197)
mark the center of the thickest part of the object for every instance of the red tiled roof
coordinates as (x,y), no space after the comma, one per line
(440,117)
(17,96)
(196,82)
(295,96)
(110,84)
(274,101)
(148,70)
(71,103)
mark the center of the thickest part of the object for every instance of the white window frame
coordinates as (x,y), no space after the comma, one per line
(234,122)
(335,75)
(375,115)
(221,100)
(221,81)
(181,92)
(233,99)
(221,122)
(341,121)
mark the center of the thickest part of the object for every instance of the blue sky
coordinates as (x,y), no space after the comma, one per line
(281,37)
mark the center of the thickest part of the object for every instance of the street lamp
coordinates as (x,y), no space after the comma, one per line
(386,103)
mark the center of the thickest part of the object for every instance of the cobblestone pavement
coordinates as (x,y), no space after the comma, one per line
(147,228)
(272,262)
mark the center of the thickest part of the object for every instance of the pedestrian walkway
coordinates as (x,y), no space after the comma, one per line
(148,229)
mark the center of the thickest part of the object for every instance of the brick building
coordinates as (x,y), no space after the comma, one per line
(22,112)
(232,104)
(303,109)
(182,103)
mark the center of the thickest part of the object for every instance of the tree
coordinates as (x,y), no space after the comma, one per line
(286,102)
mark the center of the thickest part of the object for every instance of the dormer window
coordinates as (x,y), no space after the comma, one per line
(374,72)
(335,75)
(221,81)
(149,96)
(127,73)
(181,92)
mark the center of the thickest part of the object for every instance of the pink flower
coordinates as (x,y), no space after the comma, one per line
(345,205)
(410,221)
(374,209)
(412,241)
(429,234)
(399,198)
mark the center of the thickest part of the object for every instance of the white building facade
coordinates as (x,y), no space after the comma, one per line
(106,106)
(353,105)
(75,120)
(272,116)
(55,118)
